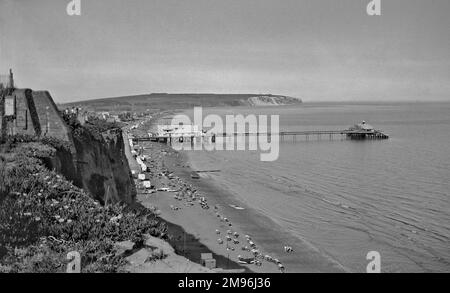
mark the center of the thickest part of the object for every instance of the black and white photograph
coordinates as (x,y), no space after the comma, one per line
(243,138)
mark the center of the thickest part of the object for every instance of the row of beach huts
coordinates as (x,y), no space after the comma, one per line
(142,176)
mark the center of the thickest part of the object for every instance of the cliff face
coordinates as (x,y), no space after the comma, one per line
(94,162)
(99,166)
(103,168)
(164,101)
(271,100)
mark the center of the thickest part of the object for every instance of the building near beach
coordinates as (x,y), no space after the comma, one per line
(178,130)
(363,126)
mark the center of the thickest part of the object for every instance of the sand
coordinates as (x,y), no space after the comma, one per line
(201,224)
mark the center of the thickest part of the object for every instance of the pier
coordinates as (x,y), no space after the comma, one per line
(354,134)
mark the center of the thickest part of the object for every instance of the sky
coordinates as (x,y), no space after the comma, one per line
(317,50)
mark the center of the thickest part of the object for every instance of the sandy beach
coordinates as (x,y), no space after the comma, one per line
(225,216)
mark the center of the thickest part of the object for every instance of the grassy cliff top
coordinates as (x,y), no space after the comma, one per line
(164,101)
(43,217)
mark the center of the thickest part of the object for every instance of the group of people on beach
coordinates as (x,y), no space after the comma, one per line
(257,256)
(187,192)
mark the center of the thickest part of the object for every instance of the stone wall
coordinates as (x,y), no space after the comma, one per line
(50,119)
(35,114)
(25,120)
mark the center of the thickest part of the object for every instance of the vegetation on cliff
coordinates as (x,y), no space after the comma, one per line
(93,128)
(157,102)
(43,216)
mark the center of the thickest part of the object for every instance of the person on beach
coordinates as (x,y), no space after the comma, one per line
(288,249)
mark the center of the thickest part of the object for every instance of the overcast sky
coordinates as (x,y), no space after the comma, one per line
(314,49)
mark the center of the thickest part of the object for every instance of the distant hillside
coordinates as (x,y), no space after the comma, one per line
(163,101)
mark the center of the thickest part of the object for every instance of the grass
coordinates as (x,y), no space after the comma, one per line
(162,101)
(43,217)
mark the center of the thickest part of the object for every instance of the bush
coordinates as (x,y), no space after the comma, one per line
(17,229)
(93,128)
(46,216)
(14,140)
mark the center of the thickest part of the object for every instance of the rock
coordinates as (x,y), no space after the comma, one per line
(123,247)
(159,257)
(157,243)
(140,257)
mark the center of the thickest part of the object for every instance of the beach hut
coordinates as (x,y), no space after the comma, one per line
(147,184)
(208,261)
(144,168)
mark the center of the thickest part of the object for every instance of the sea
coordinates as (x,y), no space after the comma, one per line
(350,197)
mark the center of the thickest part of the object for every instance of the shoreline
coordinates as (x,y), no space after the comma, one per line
(184,243)
(202,224)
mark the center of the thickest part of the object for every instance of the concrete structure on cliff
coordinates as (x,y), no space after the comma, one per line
(23,111)
(98,165)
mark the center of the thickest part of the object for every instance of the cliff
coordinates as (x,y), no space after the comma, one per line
(43,217)
(164,101)
(98,165)
(271,100)
(103,167)
(92,157)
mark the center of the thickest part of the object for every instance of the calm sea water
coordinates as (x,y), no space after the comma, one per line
(346,197)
